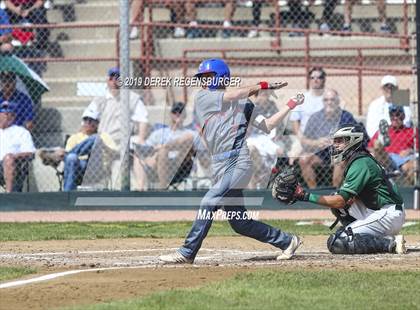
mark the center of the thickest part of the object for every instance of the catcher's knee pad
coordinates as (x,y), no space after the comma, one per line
(337,244)
(345,242)
(343,216)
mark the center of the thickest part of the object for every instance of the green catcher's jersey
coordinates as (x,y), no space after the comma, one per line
(364,180)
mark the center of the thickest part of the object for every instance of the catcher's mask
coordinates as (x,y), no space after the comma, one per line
(347,139)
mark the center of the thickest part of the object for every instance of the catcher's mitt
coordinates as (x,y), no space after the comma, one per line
(284,186)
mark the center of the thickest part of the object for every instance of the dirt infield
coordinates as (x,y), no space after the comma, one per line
(105,270)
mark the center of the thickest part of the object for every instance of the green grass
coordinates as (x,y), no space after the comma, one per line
(7,273)
(94,230)
(289,290)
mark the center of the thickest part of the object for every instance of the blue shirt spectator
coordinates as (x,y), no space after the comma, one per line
(24,105)
(4,20)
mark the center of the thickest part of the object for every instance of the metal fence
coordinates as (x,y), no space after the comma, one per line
(64,58)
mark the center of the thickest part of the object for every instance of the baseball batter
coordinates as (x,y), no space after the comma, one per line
(224,116)
(368,204)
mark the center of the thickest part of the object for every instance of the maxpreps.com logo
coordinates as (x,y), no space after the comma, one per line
(227,215)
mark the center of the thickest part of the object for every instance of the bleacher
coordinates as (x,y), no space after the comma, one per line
(65,78)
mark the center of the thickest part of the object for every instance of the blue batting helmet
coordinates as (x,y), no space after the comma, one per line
(218,67)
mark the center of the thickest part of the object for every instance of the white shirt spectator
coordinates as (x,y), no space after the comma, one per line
(379,110)
(165,135)
(15,140)
(109,109)
(303,112)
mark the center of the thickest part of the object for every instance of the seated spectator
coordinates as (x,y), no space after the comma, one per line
(256,18)
(394,146)
(228,13)
(348,8)
(24,106)
(264,148)
(30,11)
(184,13)
(299,17)
(316,141)
(379,108)
(171,150)
(78,149)
(5,33)
(109,109)
(16,149)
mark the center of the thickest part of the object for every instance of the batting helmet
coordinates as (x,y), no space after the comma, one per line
(216,66)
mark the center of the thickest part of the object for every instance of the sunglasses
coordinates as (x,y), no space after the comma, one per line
(320,77)
(89,120)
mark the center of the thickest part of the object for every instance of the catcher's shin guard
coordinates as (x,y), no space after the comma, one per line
(345,242)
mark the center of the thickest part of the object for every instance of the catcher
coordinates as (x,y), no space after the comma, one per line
(368,205)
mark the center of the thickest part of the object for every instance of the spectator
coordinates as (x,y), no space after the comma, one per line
(379,108)
(172,149)
(5,33)
(299,17)
(24,105)
(313,103)
(187,13)
(256,18)
(348,7)
(181,12)
(327,22)
(228,13)
(316,139)
(79,147)
(136,10)
(16,149)
(30,11)
(109,109)
(264,148)
(394,146)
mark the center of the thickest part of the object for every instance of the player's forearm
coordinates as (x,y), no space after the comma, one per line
(331,201)
(142,132)
(240,93)
(274,120)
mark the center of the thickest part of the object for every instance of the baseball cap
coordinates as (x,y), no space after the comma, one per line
(114,71)
(389,79)
(177,107)
(91,114)
(7,107)
(393,108)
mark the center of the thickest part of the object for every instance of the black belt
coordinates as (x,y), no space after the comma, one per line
(399,207)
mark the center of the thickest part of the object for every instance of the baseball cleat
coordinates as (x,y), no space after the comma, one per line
(291,249)
(175,258)
(400,245)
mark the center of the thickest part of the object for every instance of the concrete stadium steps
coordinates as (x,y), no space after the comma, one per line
(95,48)
(86,33)
(109,10)
(57,70)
